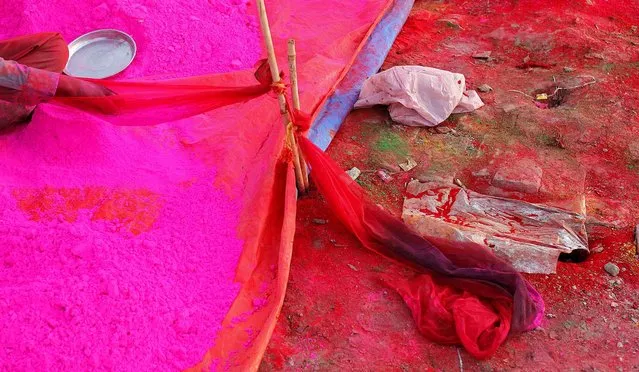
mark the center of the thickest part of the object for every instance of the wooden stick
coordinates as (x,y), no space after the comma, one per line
(275,74)
(270,50)
(292,68)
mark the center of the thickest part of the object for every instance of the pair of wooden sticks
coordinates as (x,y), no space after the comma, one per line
(301,172)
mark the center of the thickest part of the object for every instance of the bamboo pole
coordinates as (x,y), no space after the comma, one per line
(270,50)
(275,74)
(292,67)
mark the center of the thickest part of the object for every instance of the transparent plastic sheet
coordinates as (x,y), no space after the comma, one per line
(529,236)
(479,281)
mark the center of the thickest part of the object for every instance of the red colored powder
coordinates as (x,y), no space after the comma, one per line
(117,251)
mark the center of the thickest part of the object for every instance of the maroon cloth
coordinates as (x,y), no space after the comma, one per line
(30,68)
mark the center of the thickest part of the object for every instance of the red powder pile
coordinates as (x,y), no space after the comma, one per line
(117,252)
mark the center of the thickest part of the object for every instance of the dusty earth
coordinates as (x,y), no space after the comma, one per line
(581,152)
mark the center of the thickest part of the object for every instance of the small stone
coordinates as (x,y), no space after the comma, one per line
(408,165)
(595,56)
(482,173)
(523,176)
(615,282)
(453,23)
(553,335)
(633,29)
(236,63)
(319,221)
(385,177)
(611,269)
(352,267)
(614,304)
(442,129)
(485,55)
(550,316)
(485,88)
(568,69)
(633,151)
(509,107)
(354,173)
(620,345)
(392,168)
(598,249)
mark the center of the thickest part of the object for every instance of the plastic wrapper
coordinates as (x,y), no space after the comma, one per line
(529,236)
(419,96)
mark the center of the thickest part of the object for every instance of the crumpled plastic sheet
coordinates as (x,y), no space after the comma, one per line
(529,236)
(419,96)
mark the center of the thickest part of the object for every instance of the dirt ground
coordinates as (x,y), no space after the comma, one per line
(339,316)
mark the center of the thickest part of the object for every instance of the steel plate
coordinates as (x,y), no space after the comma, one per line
(100,54)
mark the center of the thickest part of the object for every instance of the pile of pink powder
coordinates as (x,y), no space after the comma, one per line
(175,38)
(117,251)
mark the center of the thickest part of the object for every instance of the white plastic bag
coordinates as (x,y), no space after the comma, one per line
(419,96)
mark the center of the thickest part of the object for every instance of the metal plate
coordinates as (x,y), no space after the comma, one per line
(100,54)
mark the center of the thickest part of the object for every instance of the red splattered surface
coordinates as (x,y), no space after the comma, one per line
(338,316)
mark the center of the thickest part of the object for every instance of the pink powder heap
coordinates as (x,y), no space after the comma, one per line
(88,295)
(117,252)
(175,38)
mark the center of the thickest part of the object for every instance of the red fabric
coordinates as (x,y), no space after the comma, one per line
(476,300)
(449,315)
(46,51)
(149,103)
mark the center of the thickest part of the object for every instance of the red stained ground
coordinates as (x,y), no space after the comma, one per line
(338,316)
